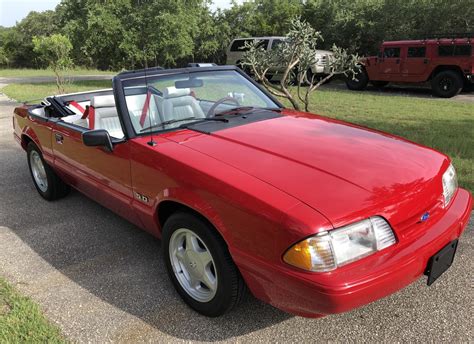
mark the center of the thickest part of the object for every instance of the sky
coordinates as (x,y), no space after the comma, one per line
(12,11)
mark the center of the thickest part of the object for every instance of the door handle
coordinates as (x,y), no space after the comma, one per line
(397,61)
(59,138)
(425,61)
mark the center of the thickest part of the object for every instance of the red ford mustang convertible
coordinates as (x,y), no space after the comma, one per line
(312,215)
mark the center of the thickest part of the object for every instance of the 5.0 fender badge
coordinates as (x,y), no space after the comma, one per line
(141,197)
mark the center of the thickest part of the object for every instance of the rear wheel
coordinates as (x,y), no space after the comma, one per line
(46,181)
(200,266)
(447,84)
(357,82)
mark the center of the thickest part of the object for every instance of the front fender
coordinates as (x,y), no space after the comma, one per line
(191,199)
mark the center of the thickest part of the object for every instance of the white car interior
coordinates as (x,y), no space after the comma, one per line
(106,116)
(163,103)
(175,104)
(178,103)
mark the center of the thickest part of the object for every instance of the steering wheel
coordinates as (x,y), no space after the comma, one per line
(213,108)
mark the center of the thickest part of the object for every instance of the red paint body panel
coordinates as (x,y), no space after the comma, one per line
(267,185)
(361,282)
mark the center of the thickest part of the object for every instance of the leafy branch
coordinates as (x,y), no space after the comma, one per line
(294,58)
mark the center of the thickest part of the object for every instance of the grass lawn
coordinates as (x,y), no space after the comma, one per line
(32,92)
(21,320)
(24,73)
(445,125)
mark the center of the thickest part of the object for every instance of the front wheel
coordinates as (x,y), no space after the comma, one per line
(447,84)
(200,266)
(357,82)
(46,181)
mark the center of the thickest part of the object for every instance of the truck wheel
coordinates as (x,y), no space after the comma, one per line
(46,181)
(379,84)
(447,84)
(358,83)
(200,266)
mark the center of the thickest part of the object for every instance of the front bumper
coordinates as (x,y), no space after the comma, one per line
(320,69)
(359,283)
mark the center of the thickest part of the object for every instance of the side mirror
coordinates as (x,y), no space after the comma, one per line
(98,138)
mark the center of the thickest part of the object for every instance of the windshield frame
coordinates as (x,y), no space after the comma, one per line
(120,100)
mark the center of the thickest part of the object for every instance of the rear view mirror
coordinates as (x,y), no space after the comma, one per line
(190,83)
(98,138)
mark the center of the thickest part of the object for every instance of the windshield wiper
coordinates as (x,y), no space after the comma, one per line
(172,121)
(246,108)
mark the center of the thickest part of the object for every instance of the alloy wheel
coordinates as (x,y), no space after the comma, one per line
(193,265)
(38,171)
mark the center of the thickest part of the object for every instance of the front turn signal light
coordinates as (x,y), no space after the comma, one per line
(312,254)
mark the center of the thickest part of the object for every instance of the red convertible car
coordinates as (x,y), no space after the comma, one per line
(312,215)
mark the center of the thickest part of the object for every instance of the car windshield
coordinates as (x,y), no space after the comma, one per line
(167,101)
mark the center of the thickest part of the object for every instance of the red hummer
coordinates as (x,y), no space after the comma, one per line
(447,63)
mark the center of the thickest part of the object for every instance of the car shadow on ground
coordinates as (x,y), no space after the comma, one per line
(112,259)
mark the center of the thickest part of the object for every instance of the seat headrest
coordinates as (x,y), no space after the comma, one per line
(173,92)
(103,101)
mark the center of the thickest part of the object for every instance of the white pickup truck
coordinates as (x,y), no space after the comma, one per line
(236,49)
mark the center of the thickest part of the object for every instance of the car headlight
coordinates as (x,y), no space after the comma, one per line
(329,250)
(450,184)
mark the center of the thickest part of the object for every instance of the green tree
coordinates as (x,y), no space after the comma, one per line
(55,51)
(72,18)
(362,25)
(294,58)
(4,55)
(18,41)
(4,60)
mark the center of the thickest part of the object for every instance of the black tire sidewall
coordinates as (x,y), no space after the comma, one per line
(361,82)
(225,269)
(457,82)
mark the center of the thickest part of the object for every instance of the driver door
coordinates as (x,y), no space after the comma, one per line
(104,176)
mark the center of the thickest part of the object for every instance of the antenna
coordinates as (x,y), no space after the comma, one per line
(147,105)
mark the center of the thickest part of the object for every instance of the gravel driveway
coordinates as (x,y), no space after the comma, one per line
(101,279)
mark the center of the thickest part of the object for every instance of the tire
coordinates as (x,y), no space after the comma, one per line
(447,84)
(379,84)
(195,239)
(46,181)
(359,83)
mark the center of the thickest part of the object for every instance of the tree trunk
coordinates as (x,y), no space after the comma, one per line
(295,104)
(58,80)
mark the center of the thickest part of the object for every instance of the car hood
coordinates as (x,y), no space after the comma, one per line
(341,170)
